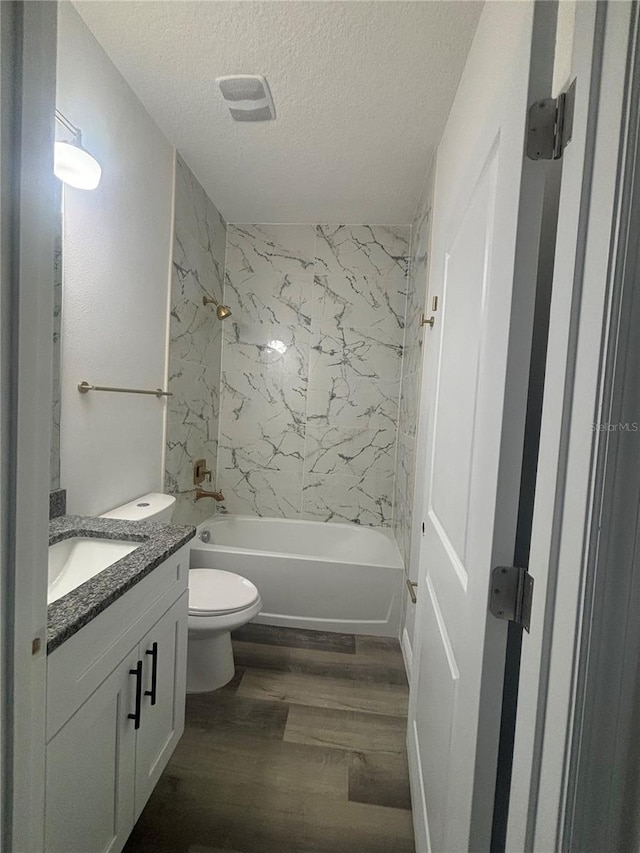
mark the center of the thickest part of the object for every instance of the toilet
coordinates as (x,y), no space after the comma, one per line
(219,603)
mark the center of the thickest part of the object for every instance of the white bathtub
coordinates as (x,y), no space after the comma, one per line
(311,574)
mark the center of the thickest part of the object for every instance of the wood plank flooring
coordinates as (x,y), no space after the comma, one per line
(303,752)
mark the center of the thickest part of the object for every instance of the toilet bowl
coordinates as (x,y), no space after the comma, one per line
(219,603)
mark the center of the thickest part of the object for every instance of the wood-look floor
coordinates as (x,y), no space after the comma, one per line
(303,752)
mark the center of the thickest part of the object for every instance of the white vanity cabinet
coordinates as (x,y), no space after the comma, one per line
(90,771)
(115,713)
(162,713)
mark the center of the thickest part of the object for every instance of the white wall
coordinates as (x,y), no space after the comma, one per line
(116,256)
(564,46)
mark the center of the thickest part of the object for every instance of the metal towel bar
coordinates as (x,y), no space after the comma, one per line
(84,388)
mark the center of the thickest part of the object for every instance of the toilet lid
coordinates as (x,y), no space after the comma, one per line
(212,591)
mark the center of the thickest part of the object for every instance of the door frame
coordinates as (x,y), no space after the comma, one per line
(564,515)
(29,36)
(602,765)
(412,570)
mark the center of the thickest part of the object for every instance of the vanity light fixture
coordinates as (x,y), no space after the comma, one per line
(72,163)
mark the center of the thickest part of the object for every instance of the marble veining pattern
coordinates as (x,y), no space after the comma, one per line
(312,362)
(73,611)
(258,491)
(255,251)
(254,447)
(361,402)
(367,250)
(283,349)
(354,352)
(195,346)
(354,301)
(336,450)
(357,498)
(269,272)
(264,396)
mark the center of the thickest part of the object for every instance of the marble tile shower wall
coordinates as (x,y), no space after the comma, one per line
(195,343)
(312,362)
(411,374)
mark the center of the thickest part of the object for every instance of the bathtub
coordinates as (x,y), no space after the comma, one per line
(311,574)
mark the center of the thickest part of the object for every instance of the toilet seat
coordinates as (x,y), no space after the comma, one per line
(213,592)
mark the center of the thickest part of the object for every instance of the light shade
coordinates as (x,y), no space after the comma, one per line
(75,166)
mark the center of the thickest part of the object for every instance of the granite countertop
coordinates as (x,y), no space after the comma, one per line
(75,609)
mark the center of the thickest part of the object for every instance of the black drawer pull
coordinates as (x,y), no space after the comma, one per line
(154,673)
(138,674)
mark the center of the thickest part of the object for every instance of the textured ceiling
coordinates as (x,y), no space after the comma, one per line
(362,91)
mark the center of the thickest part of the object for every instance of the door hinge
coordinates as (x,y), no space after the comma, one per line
(550,125)
(511,595)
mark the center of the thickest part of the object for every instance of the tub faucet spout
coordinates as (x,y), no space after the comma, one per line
(201,493)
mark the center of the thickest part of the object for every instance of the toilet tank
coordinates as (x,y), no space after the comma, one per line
(151,507)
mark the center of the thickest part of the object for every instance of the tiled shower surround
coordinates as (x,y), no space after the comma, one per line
(293,401)
(195,347)
(311,370)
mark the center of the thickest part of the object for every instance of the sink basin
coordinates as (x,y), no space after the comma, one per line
(74,561)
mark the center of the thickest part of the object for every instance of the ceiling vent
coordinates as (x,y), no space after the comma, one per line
(248,97)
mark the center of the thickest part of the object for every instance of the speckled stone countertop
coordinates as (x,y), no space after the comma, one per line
(73,611)
(57,503)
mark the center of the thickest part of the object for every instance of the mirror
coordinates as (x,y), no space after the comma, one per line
(54,464)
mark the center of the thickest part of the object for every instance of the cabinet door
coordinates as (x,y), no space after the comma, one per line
(91,770)
(164,655)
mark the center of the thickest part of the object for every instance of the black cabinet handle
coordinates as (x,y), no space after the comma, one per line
(154,673)
(138,674)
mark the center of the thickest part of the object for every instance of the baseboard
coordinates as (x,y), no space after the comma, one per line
(407,653)
(360,627)
(418,796)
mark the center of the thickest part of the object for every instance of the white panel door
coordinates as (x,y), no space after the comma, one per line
(587,248)
(164,655)
(486,217)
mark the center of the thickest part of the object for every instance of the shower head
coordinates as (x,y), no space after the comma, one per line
(222,312)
